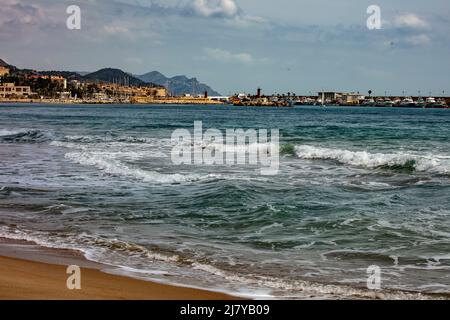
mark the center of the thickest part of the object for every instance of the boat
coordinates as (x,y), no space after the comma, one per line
(421,103)
(408,103)
(329,102)
(388,102)
(431,102)
(368,102)
(442,103)
(321,101)
(380,102)
(308,102)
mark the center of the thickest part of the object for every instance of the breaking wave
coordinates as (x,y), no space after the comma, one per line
(117,168)
(287,149)
(406,162)
(107,137)
(25,136)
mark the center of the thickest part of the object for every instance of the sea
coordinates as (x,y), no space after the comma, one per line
(359,208)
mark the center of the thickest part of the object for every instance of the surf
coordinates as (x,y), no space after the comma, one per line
(401,161)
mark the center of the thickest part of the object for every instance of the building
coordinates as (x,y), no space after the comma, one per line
(125,91)
(61,80)
(158,92)
(101,96)
(352,98)
(10,90)
(3,71)
(220,98)
(330,96)
(75,83)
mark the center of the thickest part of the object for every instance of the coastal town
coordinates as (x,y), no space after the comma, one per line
(113,86)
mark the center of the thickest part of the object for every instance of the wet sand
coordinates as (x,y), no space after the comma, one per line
(27,279)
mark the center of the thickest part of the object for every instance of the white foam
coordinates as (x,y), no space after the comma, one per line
(4,132)
(110,138)
(113,166)
(422,162)
(308,289)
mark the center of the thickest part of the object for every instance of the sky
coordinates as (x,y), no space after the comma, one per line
(298,46)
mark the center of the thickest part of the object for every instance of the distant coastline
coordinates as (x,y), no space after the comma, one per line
(115,86)
(443,103)
(178,101)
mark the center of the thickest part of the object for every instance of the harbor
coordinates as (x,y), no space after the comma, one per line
(330,99)
(357,99)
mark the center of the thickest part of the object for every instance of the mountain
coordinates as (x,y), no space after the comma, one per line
(83,73)
(108,75)
(69,75)
(3,64)
(178,85)
(116,76)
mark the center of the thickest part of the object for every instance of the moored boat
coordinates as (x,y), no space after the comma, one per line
(421,103)
(443,103)
(380,102)
(431,103)
(388,102)
(368,102)
(408,103)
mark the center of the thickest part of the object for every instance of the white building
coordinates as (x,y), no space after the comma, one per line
(10,90)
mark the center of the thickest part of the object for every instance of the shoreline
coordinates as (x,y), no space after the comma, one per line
(32,272)
(201,102)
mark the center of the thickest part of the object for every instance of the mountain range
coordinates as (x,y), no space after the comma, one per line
(178,85)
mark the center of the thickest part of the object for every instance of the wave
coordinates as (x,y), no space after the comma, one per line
(4,132)
(107,137)
(405,162)
(287,149)
(114,167)
(25,136)
(240,149)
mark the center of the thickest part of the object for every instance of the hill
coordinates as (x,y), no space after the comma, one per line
(178,85)
(116,76)
(69,75)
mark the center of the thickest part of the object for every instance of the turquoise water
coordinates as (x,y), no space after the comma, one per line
(356,187)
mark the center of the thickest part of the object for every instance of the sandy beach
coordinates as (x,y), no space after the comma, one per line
(30,280)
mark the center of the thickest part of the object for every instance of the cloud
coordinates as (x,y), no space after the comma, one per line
(193,8)
(227,56)
(24,22)
(409,30)
(115,29)
(226,11)
(13,14)
(218,8)
(410,20)
(418,40)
